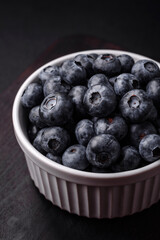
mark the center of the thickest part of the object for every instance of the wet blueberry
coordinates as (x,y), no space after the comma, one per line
(54,158)
(103,150)
(115,126)
(77,94)
(84,131)
(73,73)
(56,109)
(138,131)
(55,140)
(35,118)
(153,91)
(32,96)
(55,84)
(126,63)
(100,101)
(149,147)
(48,72)
(129,159)
(135,106)
(145,70)
(124,83)
(75,157)
(108,64)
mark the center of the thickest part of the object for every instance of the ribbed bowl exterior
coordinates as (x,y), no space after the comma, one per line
(95,201)
(86,194)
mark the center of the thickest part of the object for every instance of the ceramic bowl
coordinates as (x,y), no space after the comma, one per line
(94,195)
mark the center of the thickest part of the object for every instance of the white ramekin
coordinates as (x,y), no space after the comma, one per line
(98,195)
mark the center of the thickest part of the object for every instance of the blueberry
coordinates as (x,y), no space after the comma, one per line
(99,79)
(135,106)
(48,72)
(35,118)
(149,147)
(103,150)
(100,101)
(129,159)
(138,131)
(86,61)
(56,109)
(73,73)
(32,96)
(124,83)
(37,143)
(115,126)
(153,91)
(55,140)
(108,64)
(55,84)
(32,131)
(75,157)
(84,131)
(145,70)
(54,158)
(126,63)
(77,95)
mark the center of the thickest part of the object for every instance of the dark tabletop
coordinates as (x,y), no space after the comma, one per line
(32,33)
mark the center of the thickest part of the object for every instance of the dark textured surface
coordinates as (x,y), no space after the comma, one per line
(26,31)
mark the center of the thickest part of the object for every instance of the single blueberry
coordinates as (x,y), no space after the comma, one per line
(55,140)
(100,101)
(126,63)
(55,84)
(149,147)
(138,131)
(86,61)
(56,109)
(135,106)
(73,73)
(99,79)
(35,118)
(84,131)
(103,150)
(115,126)
(145,70)
(32,96)
(129,159)
(153,91)
(75,157)
(54,158)
(108,64)
(47,73)
(77,94)
(124,83)
(37,143)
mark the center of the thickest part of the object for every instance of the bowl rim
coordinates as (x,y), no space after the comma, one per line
(63,170)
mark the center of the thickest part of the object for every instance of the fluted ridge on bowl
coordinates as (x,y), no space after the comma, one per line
(95,202)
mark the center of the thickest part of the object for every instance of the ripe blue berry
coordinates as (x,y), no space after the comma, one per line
(56,109)
(103,150)
(149,147)
(75,157)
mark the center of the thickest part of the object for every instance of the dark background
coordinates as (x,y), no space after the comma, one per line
(27,29)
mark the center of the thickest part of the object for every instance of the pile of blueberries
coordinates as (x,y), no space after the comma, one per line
(96,112)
